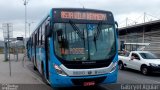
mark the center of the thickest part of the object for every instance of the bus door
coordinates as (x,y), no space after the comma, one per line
(47,51)
(35,43)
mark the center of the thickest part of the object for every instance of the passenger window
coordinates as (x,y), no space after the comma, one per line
(135,56)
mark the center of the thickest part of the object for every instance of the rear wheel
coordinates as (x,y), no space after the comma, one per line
(121,66)
(34,67)
(42,68)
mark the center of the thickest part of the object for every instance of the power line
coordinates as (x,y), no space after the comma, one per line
(137,20)
(152,16)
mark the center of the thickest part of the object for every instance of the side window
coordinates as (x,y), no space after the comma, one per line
(35,39)
(48,48)
(43,34)
(59,30)
(135,56)
(32,41)
(38,37)
(40,31)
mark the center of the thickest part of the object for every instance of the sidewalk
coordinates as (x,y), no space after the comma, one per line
(19,74)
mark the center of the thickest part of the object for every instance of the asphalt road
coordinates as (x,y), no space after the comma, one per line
(129,76)
(126,76)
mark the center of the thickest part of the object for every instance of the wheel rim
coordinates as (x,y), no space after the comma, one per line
(144,71)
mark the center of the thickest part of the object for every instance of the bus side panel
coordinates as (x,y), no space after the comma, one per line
(33,54)
(29,52)
(52,57)
(43,58)
(38,59)
(112,77)
(53,60)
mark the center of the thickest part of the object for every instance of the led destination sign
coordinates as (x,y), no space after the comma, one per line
(83,15)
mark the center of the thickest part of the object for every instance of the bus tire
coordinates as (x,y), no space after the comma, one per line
(34,67)
(42,69)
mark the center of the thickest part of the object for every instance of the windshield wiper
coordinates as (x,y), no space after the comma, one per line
(76,29)
(79,33)
(97,33)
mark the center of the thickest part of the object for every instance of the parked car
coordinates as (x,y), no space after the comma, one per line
(143,61)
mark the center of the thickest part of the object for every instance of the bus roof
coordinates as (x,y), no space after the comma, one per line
(82,9)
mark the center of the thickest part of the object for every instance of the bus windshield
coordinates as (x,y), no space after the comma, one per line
(83,42)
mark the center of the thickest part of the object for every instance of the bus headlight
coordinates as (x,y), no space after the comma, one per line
(114,67)
(59,70)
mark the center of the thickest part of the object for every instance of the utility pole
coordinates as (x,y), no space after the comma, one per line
(29,26)
(8,32)
(144,28)
(126,22)
(144,17)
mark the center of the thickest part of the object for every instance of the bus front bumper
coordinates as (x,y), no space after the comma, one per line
(66,81)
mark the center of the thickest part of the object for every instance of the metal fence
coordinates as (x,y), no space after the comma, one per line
(152,37)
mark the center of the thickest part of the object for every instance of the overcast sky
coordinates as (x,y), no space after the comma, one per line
(12,11)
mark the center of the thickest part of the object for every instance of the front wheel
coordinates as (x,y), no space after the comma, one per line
(144,70)
(121,66)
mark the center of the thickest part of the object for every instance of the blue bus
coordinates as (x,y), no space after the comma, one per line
(75,47)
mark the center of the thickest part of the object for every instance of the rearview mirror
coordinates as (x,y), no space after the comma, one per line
(116,23)
(116,28)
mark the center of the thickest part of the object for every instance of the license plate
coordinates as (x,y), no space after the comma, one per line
(92,83)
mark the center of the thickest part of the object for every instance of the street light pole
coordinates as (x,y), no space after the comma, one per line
(29,26)
(8,36)
(25,4)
